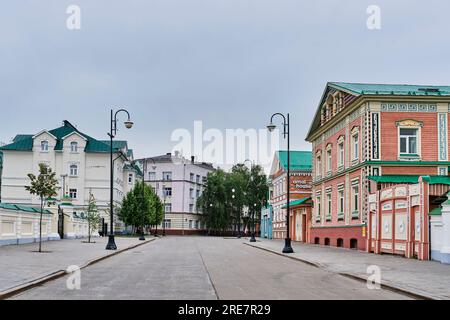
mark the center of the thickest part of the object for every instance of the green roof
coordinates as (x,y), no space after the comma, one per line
(392,89)
(435,212)
(25,142)
(300,160)
(410,179)
(18,207)
(296,202)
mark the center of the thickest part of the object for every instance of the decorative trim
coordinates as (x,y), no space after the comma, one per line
(375,136)
(408,107)
(409,123)
(442,134)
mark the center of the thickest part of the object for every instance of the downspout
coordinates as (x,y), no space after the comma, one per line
(182,206)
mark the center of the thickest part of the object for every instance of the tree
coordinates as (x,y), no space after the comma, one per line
(257,193)
(92,216)
(141,208)
(43,186)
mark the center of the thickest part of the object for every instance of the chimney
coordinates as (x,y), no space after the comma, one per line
(193,159)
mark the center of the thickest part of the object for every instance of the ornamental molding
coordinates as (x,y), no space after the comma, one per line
(409,107)
(409,123)
(329,146)
(442,129)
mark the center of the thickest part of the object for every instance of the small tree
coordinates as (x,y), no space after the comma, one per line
(43,186)
(92,216)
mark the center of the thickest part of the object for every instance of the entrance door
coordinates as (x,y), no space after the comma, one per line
(298,227)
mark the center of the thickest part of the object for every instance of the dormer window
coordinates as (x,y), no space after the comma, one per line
(44,146)
(74,147)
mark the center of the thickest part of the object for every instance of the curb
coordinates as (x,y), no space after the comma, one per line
(389,287)
(61,273)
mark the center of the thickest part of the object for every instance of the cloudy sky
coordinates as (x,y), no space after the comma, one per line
(228,63)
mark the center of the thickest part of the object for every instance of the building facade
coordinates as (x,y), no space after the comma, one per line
(300,186)
(81,163)
(179,183)
(266,222)
(361,131)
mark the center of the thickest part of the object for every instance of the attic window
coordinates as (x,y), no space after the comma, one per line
(44,146)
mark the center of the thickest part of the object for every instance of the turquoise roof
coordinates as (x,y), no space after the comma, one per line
(296,202)
(300,160)
(407,179)
(436,212)
(393,89)
(25,142)
(19,207)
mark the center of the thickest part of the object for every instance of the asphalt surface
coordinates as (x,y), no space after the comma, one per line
(199,268)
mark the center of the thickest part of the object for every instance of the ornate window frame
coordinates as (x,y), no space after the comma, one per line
(410,124)
(341,160)
(355,133)
(329,159)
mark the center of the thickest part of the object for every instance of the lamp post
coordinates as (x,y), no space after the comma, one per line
(286,134)
(252,210)
(128,124)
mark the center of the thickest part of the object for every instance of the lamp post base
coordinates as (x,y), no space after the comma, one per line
(142,238)
(287,246)
(111,243)
(253,239)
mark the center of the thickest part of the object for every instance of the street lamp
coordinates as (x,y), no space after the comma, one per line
(128,124)
(286,134)
(252,210)
(164,219)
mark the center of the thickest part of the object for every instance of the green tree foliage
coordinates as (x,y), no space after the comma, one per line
(43,186)
(222,208)
(141,207)
(92,216)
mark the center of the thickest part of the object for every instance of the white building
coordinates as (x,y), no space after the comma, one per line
(81,163)
(179,183)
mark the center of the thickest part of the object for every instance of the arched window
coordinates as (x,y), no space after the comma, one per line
(44,146)
(73,170)
(74,146)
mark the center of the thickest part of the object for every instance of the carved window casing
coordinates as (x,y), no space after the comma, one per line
(409,139)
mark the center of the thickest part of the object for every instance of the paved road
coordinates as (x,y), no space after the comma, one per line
(197,268)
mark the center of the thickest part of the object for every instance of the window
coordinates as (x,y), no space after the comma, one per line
(44,146)
(191,208)
(355,193)
(319,209)
(73,170)
(191,193)
(167,224)
(197,224)
(73,193)
(329,160)
(192,177)
(319,166)
(74,146)
(355,140)
(167,176)
(152,176)
(198,178)
(168,208)
(191,224)
(341,202)
(198,193)
(341,154)
(328,206)
(130,178)
(167,191)
(408,141)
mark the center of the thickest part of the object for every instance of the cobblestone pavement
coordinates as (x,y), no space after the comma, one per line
(200,268)
(426,278)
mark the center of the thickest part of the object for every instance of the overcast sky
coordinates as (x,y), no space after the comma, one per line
(229,63)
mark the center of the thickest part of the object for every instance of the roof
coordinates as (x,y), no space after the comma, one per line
(296,202)
(392,89)
(370,89)
(18,207)
(436,212)
(300,160)
(24,142)
(410,179)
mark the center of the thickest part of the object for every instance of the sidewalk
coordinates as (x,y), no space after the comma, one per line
(22,265)
(424,278)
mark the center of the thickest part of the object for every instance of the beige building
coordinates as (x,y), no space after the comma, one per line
(81,163)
